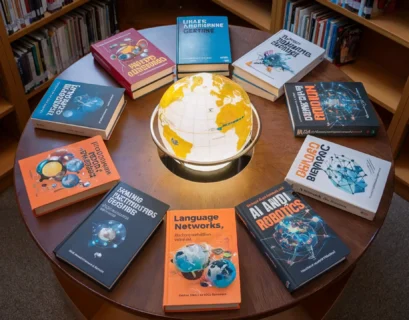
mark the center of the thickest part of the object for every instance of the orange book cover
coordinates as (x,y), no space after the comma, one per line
(61,176)
(201,261)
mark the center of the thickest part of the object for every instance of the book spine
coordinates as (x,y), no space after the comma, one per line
(282,273)
(66,128)
(111,71)
(327,198)
(357,131)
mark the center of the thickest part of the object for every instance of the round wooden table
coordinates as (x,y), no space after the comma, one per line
(140,289)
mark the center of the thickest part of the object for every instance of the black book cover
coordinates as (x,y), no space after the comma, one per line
(105,243)
(330,109)
(297,242)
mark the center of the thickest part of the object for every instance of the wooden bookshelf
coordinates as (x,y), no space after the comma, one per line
(402,165)
(383,87)
(7,153)
(394,26)
(256,12)
(48,17)
(5,107)
(40,88)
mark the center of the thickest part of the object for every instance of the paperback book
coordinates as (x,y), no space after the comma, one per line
(284,57)
(202,44)
(79,108)
(135,62)
(342,177)
(106,242)
(296,241)
(68,174)
(330,109)
(201,261)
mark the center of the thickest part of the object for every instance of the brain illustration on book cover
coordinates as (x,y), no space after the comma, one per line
(213,266)
(107,234)
(271,61)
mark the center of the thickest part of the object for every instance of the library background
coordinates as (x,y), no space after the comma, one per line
(69,56)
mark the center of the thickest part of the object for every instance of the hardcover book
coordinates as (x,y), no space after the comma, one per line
(201,261)
(202,44)
(132,60)
(253,89)
(330,109)
(79,108)
(107,241)
(296,241)
(284,57)
(342,177)
(62,176)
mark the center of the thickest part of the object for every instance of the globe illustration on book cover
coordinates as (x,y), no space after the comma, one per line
(205,118)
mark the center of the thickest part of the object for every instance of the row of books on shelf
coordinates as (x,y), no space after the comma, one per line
(336,34)
(288,231)
(367,8)
(48,51)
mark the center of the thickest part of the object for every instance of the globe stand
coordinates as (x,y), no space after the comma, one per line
(180,167)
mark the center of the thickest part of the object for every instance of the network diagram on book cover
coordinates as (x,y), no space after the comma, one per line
(345,174)
(274,61)
(107,234)
(298,238)
(341,105)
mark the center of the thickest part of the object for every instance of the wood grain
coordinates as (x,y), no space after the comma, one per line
(136,157)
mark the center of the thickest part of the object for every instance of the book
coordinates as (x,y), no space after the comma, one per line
(340,176)
(132,60)
(202,44)
(295,240)
(189,74)
(253,89)
(284,57)
(330,109)
(348,44)
(106,242)
(201,261)
(79,108)
(68,174)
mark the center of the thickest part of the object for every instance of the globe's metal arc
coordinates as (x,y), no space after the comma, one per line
(206,163)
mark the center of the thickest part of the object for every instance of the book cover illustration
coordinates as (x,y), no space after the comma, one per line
(343,177)
(132,56)
(203,40)
(80,104)
(104,244)
(201,259)
(330,108)
(280,58)
(298,242)
(66,171)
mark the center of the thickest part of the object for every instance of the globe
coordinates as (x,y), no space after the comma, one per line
(205,117)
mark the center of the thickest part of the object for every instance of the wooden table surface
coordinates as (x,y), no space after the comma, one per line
(140,290)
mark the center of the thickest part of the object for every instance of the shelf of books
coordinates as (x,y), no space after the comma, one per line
(257,12)
(382,86)
(5,107)
(48,17)
(393,25)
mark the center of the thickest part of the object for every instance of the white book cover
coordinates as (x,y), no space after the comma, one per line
(284,57)
(340,176)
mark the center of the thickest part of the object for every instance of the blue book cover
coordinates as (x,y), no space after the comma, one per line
(68,103)
(296,240)
(106,242)
(203,40)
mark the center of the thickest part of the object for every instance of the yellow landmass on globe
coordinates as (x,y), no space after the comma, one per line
(174,93)
(197,81)
(180,146)
(227,88)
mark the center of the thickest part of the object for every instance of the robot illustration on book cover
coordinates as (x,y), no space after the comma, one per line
(213,266)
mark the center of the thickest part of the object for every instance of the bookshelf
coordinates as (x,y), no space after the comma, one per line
(14,102)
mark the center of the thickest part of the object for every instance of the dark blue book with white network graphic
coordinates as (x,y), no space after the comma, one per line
(297,242)
(79,108)
(330,109)
(202,43)
(106,242)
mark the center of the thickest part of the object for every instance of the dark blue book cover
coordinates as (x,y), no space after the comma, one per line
(78,104)
(298,243)
(202,40)
(105,243)
(330,109)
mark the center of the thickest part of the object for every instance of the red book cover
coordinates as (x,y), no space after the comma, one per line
(132,59)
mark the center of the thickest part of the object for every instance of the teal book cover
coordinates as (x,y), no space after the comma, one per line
(79,104)
(203,40)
